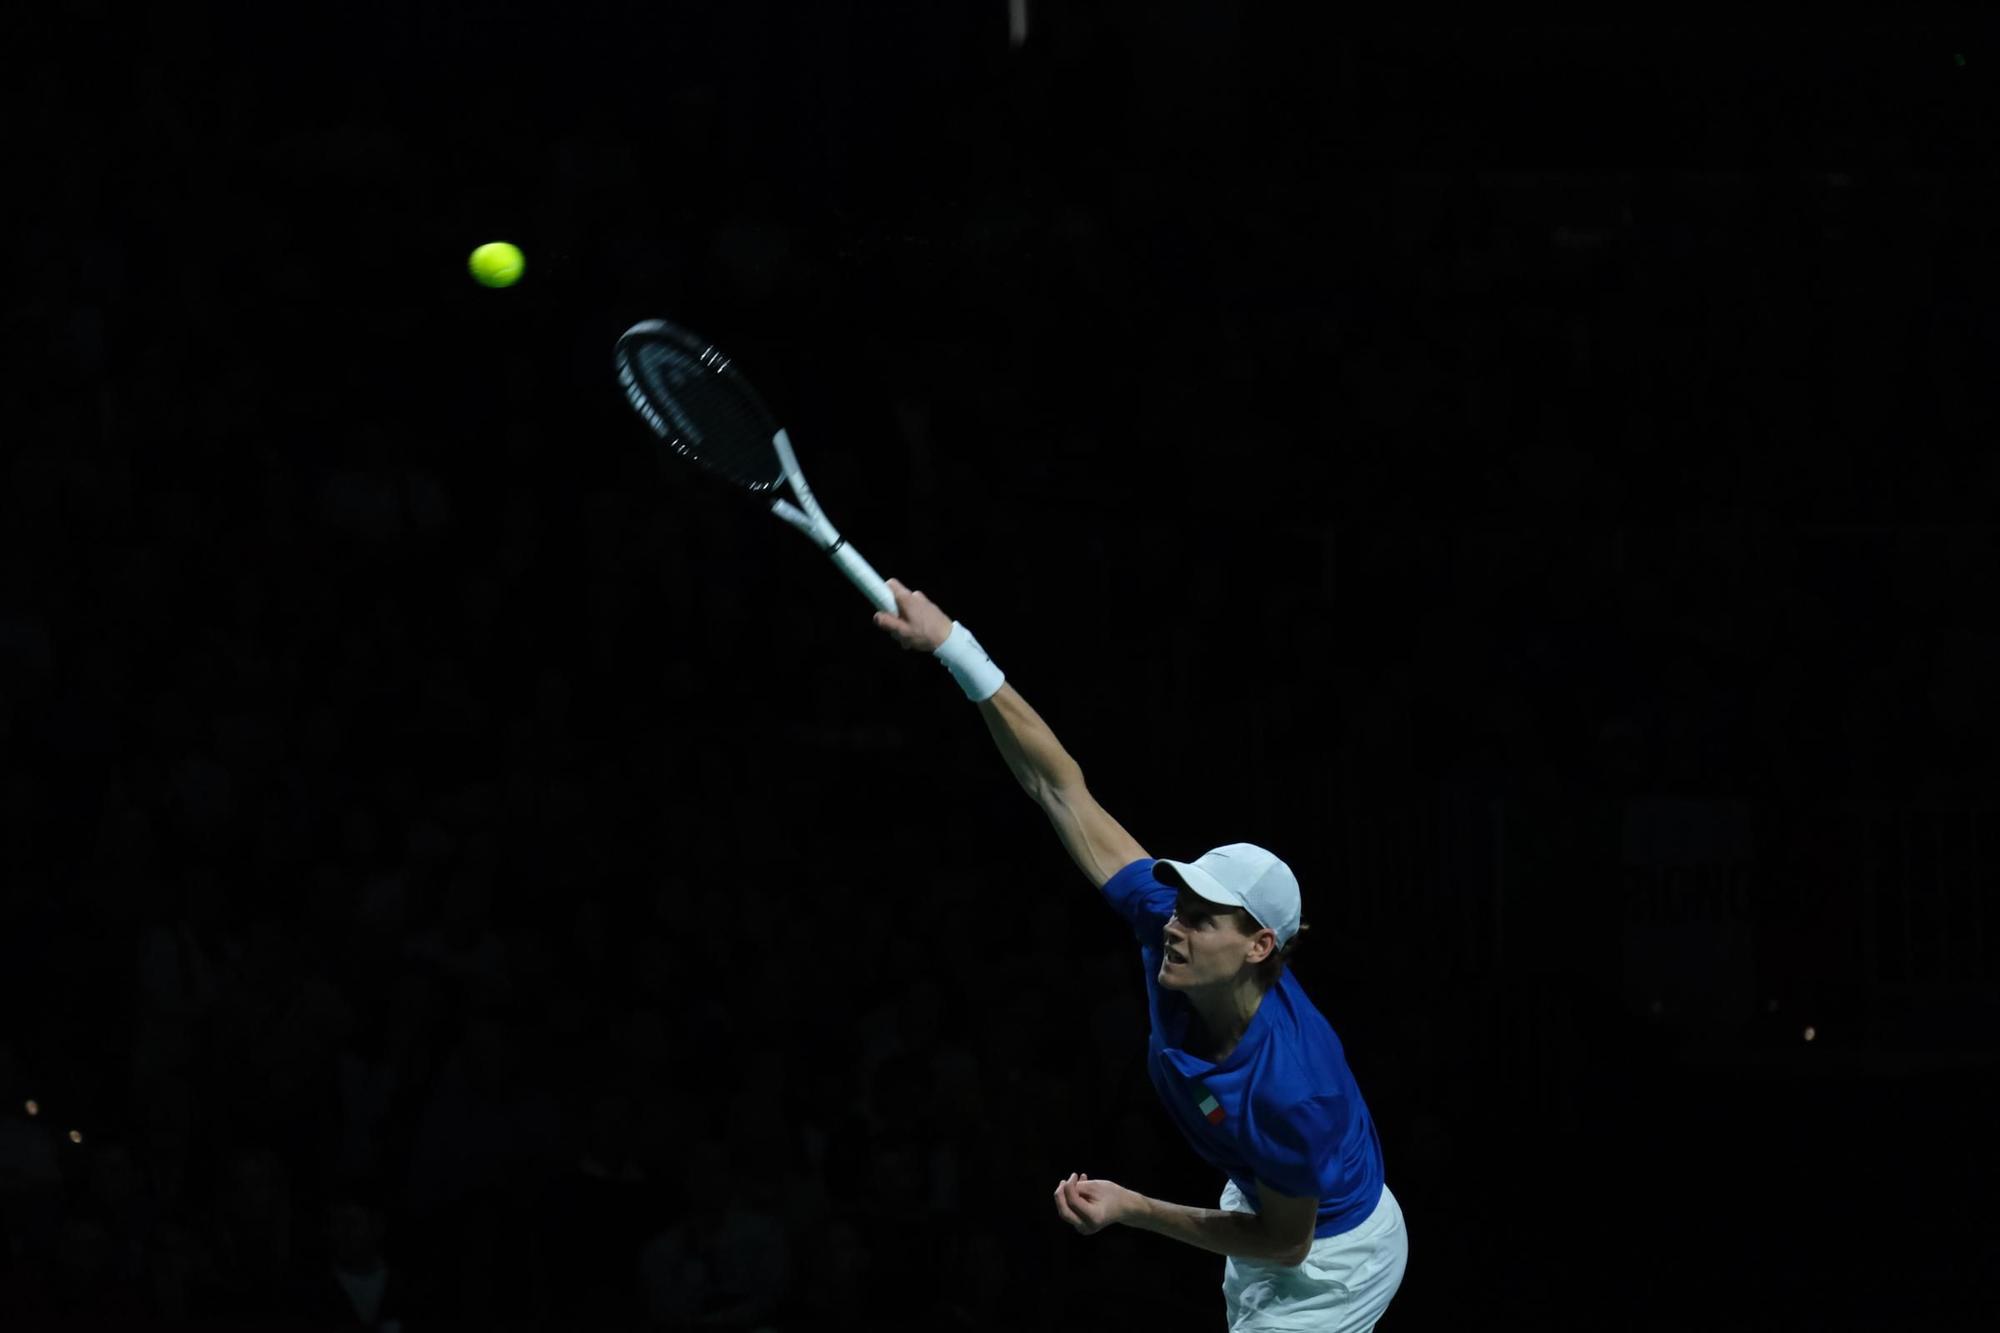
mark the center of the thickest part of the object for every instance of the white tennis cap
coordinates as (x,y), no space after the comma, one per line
(1245,876)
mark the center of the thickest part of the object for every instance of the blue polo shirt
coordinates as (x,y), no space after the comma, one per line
(1282,1106)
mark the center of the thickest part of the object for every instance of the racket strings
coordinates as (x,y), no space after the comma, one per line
(701,412)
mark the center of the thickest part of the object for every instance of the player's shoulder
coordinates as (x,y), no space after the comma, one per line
(1301,1037)
(1135,885)
(1138,897)
(1135,873)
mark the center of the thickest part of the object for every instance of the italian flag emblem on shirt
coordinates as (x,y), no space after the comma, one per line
(1210,1108)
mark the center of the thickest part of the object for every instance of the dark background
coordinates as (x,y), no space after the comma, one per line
(1538,480)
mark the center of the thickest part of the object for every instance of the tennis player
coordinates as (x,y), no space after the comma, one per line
(1310,1235)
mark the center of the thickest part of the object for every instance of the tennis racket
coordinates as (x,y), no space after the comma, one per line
(703,407)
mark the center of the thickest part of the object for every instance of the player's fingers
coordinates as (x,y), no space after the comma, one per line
(1085,1221)
(897,628)
(1063,1209)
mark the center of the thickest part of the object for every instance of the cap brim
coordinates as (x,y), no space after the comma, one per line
(1181,875)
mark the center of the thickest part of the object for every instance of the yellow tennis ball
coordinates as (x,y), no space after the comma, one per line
(497,264)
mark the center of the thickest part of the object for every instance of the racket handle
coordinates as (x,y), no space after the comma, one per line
(865,578)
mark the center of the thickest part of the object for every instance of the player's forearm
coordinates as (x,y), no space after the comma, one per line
(1033,754)
(1240,1235)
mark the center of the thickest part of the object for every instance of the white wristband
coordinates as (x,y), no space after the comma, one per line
(969,665)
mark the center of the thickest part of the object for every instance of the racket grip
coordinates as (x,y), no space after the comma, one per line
(865,578)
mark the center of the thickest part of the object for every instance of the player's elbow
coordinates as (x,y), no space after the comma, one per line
(1297,1242)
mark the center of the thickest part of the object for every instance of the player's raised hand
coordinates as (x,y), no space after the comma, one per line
(1092,1205)
(918,623)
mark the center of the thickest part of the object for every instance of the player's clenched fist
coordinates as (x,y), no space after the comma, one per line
(918,625)
(1092,1205)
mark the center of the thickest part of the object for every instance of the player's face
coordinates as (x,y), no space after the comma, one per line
(1204,944)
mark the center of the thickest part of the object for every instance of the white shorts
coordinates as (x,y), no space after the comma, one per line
(1343,1286)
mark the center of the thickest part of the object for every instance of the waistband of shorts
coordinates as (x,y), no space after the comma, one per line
(1378,1216)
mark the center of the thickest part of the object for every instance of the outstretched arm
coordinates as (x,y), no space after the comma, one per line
(1045,770)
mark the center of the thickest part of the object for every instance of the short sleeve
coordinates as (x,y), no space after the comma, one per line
(1142,900)
(1301,1143)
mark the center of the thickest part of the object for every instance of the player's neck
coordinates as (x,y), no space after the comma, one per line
(1222,1017)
